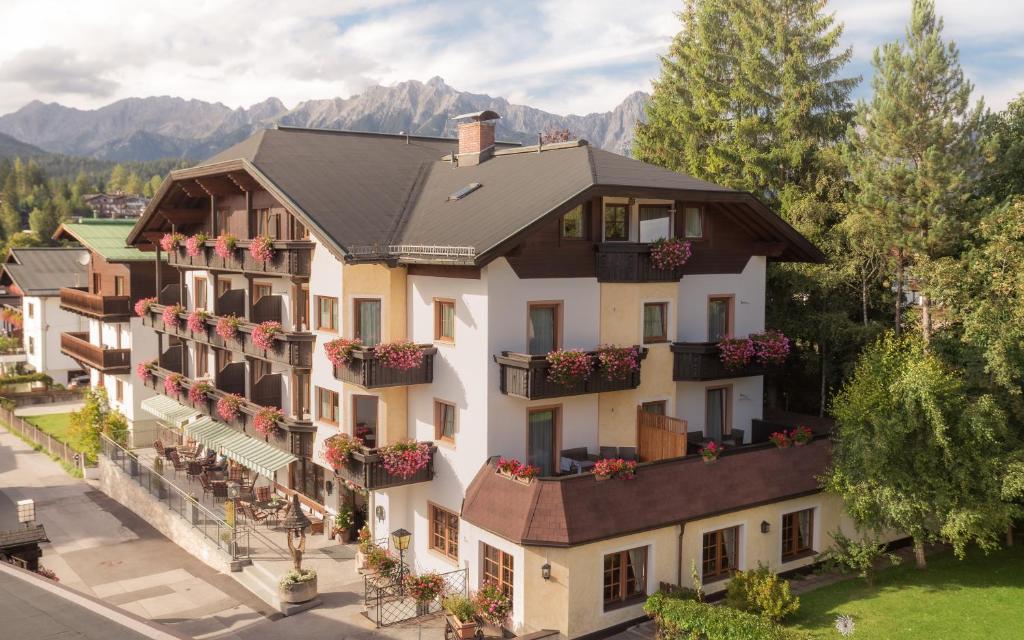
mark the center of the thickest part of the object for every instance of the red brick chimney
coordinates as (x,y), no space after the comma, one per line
(476,137)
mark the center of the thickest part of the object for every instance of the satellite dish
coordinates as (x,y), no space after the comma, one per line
(85,259)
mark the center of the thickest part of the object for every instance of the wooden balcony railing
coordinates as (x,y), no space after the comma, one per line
(366,469)
(294,349)
(630,262)
(94,305)
(366,370)
(112,361)
(702,361)
(526,376)
(291,258)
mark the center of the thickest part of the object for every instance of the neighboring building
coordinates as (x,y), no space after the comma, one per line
(489,258)
(115,205)
(38,274)
(112,340)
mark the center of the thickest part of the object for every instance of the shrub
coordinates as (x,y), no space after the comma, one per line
(857,556)
(293,577)
(763,592)
(115,426)
(680,619)
(461,607)
(87,422)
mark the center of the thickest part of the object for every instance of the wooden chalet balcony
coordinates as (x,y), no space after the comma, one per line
(114,361)
(366,370)
(630,262)
(294,349)
(702,361)
(291,258)
(246,413)
(95,305)
(366,469)
(526,376)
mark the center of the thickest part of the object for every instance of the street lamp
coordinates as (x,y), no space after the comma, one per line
(26,512)
(296,523)
(401,538)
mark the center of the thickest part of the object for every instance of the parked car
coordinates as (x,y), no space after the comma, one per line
(79,381)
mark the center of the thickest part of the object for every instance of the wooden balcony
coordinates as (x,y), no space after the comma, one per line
(366,469)
(95,305)
(294,349)
(630,262)
(112,361)
(291,258)
(367,371)
(526,376)
(702,361)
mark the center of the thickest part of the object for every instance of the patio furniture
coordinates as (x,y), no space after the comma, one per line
(628,453)
(207,484)
(738,435)
(194,470)
(263,494)
(220,489)
(607,453)
(273,508)
(576,460)
(254,514)
(179,464)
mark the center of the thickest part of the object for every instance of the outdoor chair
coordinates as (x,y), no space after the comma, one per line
(608,453)
(628,453)
(738,435)
(179,464)
(204,480)
(158,447)
(253,513)
(263,494)
(194,470)
(220,489)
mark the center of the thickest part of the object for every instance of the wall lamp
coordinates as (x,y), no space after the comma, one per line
(765,527)
(545,571)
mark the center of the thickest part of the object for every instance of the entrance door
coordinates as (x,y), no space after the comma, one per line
(543,440)
(364,419)
(543,328)
(716,413)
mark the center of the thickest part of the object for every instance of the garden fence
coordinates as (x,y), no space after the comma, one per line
(65,452)
(387,602)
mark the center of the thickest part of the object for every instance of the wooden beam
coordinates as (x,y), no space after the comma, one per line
(218,186)
(183,216)
(191,189)
(244,181)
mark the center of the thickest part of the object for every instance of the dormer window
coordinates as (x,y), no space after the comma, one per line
(573,224)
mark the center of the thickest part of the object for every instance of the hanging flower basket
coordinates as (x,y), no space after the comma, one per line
(618,363)
(172,315)
(569,367)
(801,435)
(228,406)
(405,459)
(197,392)
(512,468)
(262,248)
(780,439)
(424,587)
(770,347)
(402,355)
(669,253)
(339,351)
(195,244)
(263,334)
(736,353)
(338,449)
(143,306)
(172,384)
(227,327)
(615,468)
(266,420)
(196,321)
(171,241)
(711,451)
(225,245)
(145,370)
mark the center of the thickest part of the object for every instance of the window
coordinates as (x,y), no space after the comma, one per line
(119,288)
(542,440)
(444,421)
(694,221)
(719,318)
(543,327)
(797,534)
(327,405)
(616,222)
(326,313)
(96,281)
(655,222)
(657,407)
(31,345)
(444,320)
(719,558)
(497,569)
(367,321)
(625,577)
(31,310)
(199,293)
(202,360)
(119,390)
(364,419)
(444,532)
(574,224)
(716,413)
(655,321)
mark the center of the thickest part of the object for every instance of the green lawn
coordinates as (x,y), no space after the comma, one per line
(55,424)
(980,597)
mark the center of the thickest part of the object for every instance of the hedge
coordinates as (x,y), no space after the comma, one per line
(684,619)
(21,378)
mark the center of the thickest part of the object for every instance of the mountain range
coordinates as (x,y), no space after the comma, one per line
(169,127)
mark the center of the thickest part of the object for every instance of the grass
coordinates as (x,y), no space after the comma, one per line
(54,424)
(979,597)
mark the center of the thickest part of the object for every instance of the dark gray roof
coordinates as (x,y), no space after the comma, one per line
(21,537)
(42,271)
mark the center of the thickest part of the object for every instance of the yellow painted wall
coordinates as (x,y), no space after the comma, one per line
(622,324)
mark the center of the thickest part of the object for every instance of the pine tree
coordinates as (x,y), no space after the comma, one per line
(10,219)
(915,152)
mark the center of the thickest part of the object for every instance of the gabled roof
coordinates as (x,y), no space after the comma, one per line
(43,271)
(21,537)
(104,236)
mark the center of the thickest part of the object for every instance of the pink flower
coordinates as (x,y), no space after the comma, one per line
(196,321)
(402,355)
(780,439)
(670,253)
(225,245)
(172,384)
(339,351)
(263,334)
(569,367)
(227,406)
(142,306)
(197,392)
(516,469)
(195,244)
(266,419)
(615,468)
(770,347)
(262,248)
(227,327)
(618,363)
(711,451)
(145,370)
(171,315)
(171,241)
(736,352)
(801,435)
(338,449)
(405,459)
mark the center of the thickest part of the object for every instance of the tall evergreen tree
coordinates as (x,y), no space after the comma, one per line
(916,153)
(1005,132)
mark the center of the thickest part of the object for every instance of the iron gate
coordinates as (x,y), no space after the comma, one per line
(387,603)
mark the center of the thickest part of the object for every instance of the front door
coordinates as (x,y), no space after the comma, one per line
(542,440)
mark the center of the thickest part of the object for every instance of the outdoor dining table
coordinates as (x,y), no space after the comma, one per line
(272,507)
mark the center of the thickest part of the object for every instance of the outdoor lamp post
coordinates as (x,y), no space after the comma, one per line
(26,512)
(401,538)
(296,523)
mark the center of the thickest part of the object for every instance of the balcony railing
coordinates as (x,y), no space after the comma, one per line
(366,469)
(291,348)
(95,305)
(526,376)
(367,371)
(630,262)
(112,361)
(291,258)
(702,361)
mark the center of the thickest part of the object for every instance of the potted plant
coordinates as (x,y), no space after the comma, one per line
(339,351)
(378,561)
(711,451)
(461,616)
(225,245)
(736,352)
(341,530)
(338,449)
(493,607)
(423,589)
(365,546)
(618,363)
(262,248)
(196,321)
(265,422)
(405,459)
(512,468)
(770,347)
(194,245)
(263,334)
(401,355)
(801,435)
(297,586)
(614,468)
(780,439)
(227,326)
(143,306)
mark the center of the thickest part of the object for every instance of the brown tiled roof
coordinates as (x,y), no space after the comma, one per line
(579,509)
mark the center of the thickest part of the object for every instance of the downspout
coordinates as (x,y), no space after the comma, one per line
(679,568)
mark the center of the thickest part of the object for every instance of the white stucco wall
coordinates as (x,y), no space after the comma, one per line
(748,288)
(48,321)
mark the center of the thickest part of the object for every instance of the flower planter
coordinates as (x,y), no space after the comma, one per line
(491,630)
(463,630)
(299,592)
(710,460)
(505,474)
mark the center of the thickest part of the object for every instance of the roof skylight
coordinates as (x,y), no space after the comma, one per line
(464,191)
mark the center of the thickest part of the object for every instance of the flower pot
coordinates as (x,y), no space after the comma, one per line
(300,592)
(463,630)
(710,460)
(492,630)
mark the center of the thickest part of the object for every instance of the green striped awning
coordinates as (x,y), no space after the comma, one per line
(255,454)
(171,412)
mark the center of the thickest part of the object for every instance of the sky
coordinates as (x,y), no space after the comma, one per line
(563,56)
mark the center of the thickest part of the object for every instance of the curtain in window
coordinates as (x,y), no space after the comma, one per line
(542,441)
(718,320)
(804,518)
(715,413)
(542,330)
(447,421)
(638,569)
(693,223)
(655,223)
(369,322)
(729,540)
(447,320)
(654,321)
